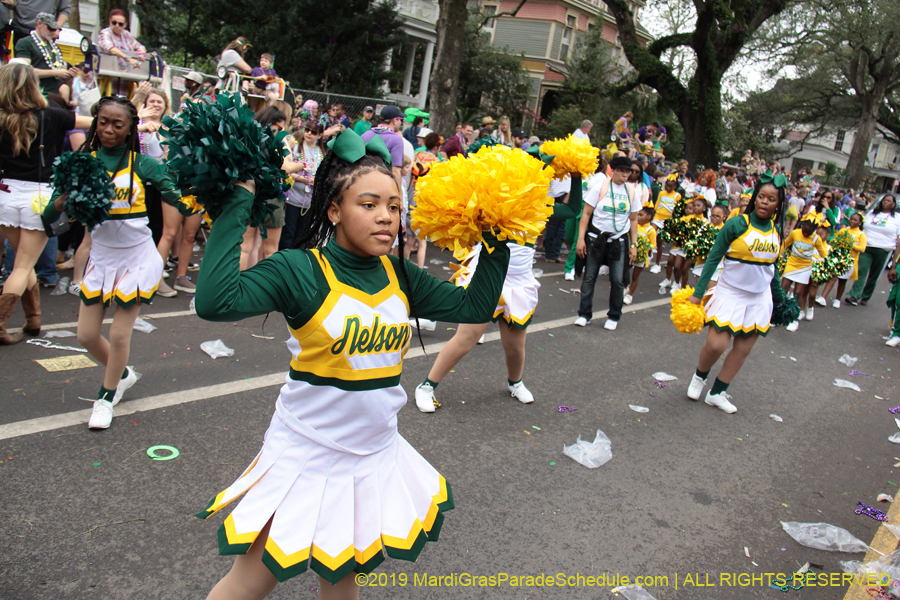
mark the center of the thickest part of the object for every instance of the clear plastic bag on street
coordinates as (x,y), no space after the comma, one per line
(640,409)
(62,286)
(590,454)
(843,383)
(847,360)
(895,438)
(216,349)
(633,592)
(823,536)
(59,333)
(143,326)
(660,376)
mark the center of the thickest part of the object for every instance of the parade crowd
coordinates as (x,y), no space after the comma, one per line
(738,241)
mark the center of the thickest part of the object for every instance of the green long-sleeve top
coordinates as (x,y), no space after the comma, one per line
(732,230)
(572,209)
(285,282)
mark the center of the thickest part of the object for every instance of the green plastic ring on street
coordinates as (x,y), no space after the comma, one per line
(151,452)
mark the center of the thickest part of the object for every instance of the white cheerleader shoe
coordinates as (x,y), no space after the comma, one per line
(893,342)
(695,389)
(809,313)
(835,303)
(821,301)
(101,416)
(521,393)
(604,270)
(722,401)
(425,398)
(793,326)
(125,384)
(481,339)
(655,269)
(570,276)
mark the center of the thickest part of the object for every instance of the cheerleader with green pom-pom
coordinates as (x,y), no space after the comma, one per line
(741,307)
(799,247)
(858,247)
(124,265)
(645,243)
(699,248)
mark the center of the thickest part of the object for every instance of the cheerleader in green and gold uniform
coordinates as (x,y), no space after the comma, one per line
(740,308)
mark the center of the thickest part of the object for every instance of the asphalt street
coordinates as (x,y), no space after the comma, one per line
(690,492)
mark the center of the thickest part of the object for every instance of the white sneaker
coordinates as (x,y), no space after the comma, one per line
(521,393)
(821,301)
(801,316)
(695,389)
(481,339)
(125,384)
(809,313)
(665,283)
(425,398)
(604,270)
(836,303)
(74,289)
(570,276)
(655,269)
(793,326)
(721,401)
(424,324)
(893,342)
(582,322)
(676,287)
(101,416)
(627,299)
(610,324)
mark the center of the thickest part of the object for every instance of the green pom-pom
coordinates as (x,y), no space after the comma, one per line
(835,264)
(784,310)
(88,188)
(779,265)
(643,250)
(213,145)
(699,247)
(668,232)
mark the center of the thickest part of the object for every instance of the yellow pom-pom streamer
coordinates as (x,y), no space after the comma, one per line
(497,188)
(572,155)
(687,316)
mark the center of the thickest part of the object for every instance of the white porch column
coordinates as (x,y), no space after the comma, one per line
(386,85)
(426,75)
(410,64)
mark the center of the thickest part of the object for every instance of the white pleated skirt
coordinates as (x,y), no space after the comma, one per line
(738,311)
(126,275)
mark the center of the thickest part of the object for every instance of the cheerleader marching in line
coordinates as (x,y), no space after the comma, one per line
(514,312)
(799,248)
(678,266)
(717,220)
(335,487)
(852,274)
(647,232)
(665,206)
(740,308)
(124,265)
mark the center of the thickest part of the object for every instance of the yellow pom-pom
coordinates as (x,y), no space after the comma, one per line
(572,155)
(687,316)
(497,188)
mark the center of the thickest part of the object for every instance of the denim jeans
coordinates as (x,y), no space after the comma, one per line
(616,265)
(554,236)
(294,221)
(46,264)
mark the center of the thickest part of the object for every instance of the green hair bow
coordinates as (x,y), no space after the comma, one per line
(350,147)
(778,181)
(534,150)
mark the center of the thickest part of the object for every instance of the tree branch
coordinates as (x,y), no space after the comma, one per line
(511,13)
(668,42)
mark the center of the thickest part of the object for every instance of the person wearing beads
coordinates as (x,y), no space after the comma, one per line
(514,311)
(852,274)
(335,487)
(31,137)
(799,248)
(124,265)
(740,309)
(646,232)
(883,236)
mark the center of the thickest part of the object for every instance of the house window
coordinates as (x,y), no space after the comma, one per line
(873,153)
(839,142)
(566,42)
(490,10)
(570,21)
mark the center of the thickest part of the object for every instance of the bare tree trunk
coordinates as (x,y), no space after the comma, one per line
(74,17)
(865,131)
(444,86)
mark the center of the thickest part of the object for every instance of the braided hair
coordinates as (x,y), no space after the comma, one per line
(333,178)
(132,141)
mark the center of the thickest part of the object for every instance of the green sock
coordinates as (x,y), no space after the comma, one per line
(718,387)
(511,382)
(702,374)
(433,384)
(106,394)
(124,373)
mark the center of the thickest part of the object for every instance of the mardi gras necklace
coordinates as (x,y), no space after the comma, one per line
(50,51)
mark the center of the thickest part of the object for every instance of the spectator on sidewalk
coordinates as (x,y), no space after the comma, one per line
(365,123)
(26,12)
(117,40)
(458,143)
(583,131)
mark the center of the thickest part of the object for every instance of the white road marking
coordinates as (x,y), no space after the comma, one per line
(78,417)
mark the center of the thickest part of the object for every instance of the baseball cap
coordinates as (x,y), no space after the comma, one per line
(518,133)
(534,140)
(390,112)
(368,109)
(620,162)
(48,20)
(195,77)
(423,132)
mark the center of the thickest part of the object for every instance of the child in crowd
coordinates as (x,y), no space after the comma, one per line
(678,267)
(852,274)
(266,76)
(665,204)
(647,232)
(799,247)
(717,220)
